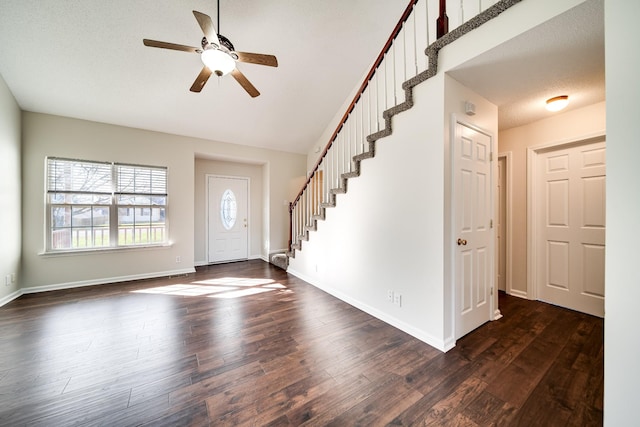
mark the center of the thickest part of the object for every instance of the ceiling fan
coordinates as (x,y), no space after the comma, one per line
(218,55)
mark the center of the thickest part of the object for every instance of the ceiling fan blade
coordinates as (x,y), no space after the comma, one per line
(172,46)
(206,24)
(201,80)
(258,58)
(245,83)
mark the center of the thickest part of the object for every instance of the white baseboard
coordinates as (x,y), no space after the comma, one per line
(10,297)
(440,344)
(251,257)
(519,294)
(278,251)
(106,280)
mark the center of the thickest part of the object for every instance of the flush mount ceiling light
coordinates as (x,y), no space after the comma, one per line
(557,103)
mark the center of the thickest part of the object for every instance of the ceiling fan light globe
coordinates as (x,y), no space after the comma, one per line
(219,62)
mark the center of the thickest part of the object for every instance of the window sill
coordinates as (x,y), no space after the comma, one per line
(95,251)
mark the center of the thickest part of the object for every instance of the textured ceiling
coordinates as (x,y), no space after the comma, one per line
(85,59)
(563,56)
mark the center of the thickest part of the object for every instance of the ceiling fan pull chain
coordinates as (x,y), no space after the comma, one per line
(219,17)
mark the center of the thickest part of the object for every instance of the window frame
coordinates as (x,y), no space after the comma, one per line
(154,194)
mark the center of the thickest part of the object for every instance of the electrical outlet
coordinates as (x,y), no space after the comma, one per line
(13,277)
(397,300)
(390,295)
(178,259)
(7,279)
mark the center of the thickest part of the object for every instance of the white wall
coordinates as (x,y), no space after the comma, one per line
(205,167)
(569,126)
(317,149)
(386,233)
(46,135)
(10,197)
(622,293)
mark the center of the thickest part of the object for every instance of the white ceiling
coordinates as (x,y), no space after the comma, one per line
(563,56)
(85,59)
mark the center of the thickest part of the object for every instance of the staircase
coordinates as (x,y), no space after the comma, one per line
(368,117)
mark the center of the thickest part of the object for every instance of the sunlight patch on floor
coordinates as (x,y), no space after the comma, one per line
(226,287)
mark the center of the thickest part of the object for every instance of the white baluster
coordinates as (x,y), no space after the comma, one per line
(420,13)
(410,50)
(377,112)
(347,142)
(432,10)
(358,147)
(338,153)
(366,114)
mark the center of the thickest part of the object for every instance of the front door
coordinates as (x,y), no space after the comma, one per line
(227,219)
(474,254)
(570,241)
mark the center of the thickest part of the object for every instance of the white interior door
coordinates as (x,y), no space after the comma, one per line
(474,255)
(570,241)
(228,219)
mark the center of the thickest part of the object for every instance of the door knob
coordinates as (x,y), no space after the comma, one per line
(462,242)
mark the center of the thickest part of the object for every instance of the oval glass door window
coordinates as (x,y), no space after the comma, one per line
(228,209)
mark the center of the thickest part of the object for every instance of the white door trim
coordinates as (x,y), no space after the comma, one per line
(207,213)
(508,155)
(532,161)
(493,304)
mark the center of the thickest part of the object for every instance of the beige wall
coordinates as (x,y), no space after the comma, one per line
(10,197)
(282,176)
(46,135)
(570,126)
(205,167)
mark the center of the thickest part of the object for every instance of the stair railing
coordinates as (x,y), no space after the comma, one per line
(401,58)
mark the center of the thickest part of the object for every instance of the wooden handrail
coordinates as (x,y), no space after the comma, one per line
(364,85)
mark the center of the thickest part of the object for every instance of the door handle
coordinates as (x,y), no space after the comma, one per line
(462,242)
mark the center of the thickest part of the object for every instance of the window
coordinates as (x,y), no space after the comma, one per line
(93,205)
(228,209)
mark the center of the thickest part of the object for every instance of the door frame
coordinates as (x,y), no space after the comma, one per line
(508,156)
(494,310)
(532,189)
(208,211)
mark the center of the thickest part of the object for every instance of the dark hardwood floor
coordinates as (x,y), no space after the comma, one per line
(247,344)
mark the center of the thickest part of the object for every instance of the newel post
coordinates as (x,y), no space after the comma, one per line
(442,23)
(290,226)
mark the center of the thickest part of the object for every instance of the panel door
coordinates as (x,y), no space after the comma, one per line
(228,219)
(571,227)
(474,254)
